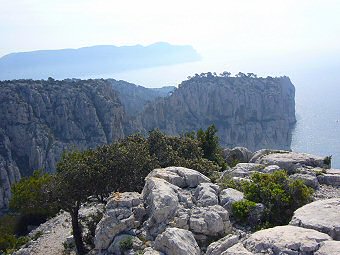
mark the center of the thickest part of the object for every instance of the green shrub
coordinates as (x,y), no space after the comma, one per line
(241,209)
(29,197)
(126,243)
(280,195)
(228,182)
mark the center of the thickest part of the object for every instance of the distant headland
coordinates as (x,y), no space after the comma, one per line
(94,60)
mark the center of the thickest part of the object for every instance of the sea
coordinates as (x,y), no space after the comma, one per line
(317,130)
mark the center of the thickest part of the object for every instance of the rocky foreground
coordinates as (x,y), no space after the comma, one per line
(180,211)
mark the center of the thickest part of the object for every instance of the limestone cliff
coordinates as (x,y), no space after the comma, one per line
(39,119)
(248,111)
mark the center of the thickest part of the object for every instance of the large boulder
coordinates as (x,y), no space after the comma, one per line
(263,152)
(285,240)
(180,176)
(216,248)
(209,221)
(161,199)
(290,161)
(322,215)
(122,213)
(176,241)
(229,196)
(206,194)
(237,154)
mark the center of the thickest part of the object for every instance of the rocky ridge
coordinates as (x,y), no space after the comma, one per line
(180,211)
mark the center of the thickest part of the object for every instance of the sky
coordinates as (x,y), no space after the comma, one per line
(231,27)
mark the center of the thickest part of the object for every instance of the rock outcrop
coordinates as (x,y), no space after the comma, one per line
(290,161)
(285,240)
(176,241)
(322,215)
(180,207)
(181,212)
(252,112)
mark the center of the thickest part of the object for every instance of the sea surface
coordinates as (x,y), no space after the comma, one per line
(317,130)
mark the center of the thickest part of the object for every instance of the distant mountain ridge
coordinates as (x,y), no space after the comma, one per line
(95,60)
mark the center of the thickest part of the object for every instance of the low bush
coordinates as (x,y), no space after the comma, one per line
(280,195)
(241,209)
(126,243)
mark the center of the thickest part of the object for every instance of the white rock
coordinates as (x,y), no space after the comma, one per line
(126,199)
(243,170)
(331,177)
(209,221)
(309,180)
(329,248)
(181,219)
(123,212)
(237,249)
(289,161)
(270,169)
(239,154)
(285,240)
(261,153)
(322,215)
(161,201)
(229,196)
(206,194)
(180,176)
(176,241)
(216,248)
(113,222)
(115,247)
(150,251)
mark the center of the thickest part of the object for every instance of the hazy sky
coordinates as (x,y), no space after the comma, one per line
(238,26)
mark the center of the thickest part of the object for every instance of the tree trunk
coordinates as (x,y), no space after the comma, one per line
(77,232)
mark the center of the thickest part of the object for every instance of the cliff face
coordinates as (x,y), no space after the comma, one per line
(248,111)
(39,119)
